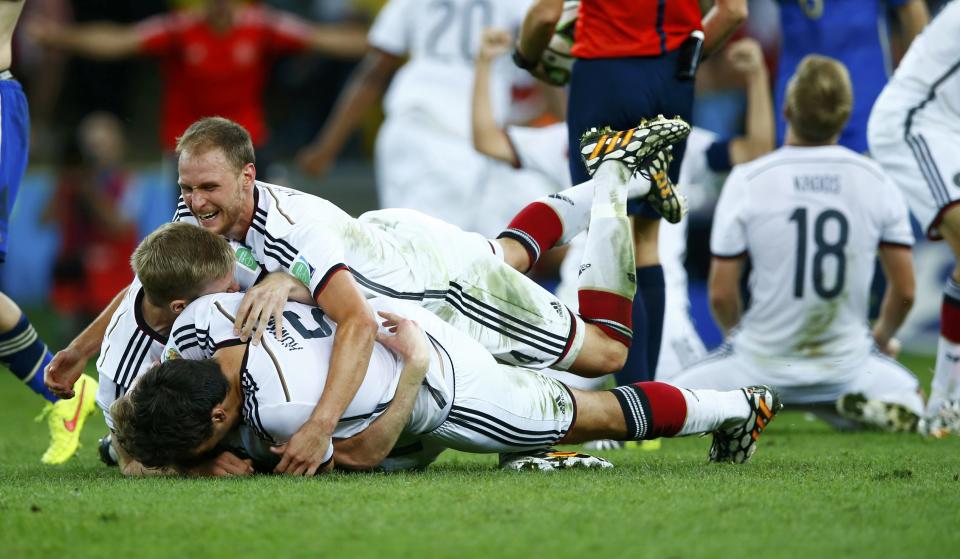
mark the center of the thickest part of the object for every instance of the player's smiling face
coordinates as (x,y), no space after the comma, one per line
(216,192)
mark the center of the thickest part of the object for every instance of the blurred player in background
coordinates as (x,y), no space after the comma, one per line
(634,60)
(214,60)
(812,217)
(915,135)
(424,52)
(853,32)
(21,350)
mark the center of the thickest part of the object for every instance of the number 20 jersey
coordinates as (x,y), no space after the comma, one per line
(811,220)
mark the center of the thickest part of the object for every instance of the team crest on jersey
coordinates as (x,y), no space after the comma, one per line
(302,270)
(246,259)
(172,354)
(561,404)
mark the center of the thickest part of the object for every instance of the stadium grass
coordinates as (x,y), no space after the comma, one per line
(808,492)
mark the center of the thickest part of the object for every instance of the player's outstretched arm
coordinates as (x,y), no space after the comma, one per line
(897,264)
(488,137)
(368,449)
(353,341)
(726,305)
(346,41)
(724,17)
(537,29)
(101,40)
(67,365)
(364,88)
(759,137)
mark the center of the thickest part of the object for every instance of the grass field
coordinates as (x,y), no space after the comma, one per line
(808,492)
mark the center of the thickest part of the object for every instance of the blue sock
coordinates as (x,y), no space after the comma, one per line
(648,307)
(25,354)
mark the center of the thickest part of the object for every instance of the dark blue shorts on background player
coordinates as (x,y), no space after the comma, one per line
(14,138)
(620,92)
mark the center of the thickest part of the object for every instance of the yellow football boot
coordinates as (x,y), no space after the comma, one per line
(66,418)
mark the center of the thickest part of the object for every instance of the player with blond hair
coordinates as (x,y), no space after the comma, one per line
(812,216)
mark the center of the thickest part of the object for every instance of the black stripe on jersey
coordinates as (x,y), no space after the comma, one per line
(272,249)
(326,278)
(136,356)
(381,289)
(729,256)
(482,417)
(926,172)
(495,433)
(930,96)
(378,409)
(251,407)
(261,223)
(136,368)
(507,330)
(228,343)
(494,310)
(123,358)
(661,9)
(928,155)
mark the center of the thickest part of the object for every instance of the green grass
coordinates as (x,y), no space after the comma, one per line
(808,492)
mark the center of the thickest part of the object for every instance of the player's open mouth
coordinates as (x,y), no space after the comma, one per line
(208,216)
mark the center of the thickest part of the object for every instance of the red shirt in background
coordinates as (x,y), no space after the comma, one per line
(206,73)
(623,28)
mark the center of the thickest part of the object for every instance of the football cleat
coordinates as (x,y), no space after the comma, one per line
(636,147)
(546,460)
(664,196)
(737,444)
(65,419)
(944,422)
(105,449)
(885,416)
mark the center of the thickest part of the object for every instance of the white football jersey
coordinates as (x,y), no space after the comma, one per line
(811,220)
(929,74)
(282,380)
(441,39)
(130,346)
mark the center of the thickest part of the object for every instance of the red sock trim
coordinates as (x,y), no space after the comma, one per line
(950,319)
(668,408)
(610,312)
(537,227)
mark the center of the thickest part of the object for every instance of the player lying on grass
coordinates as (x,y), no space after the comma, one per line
(182,409)
(471,281)
(812,218)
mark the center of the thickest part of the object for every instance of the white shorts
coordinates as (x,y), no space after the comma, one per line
(457,276)
(680,345)
(923,162)
(877,377)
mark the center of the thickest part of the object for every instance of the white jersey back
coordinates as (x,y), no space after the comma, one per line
(929,74)
(441,38)
(282,380)
(811,220)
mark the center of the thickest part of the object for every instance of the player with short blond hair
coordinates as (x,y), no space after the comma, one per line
(812,217)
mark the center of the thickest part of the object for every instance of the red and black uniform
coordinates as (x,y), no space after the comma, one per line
(209,73)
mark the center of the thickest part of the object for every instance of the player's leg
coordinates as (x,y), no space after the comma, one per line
(943,406)
(884,395)
(649,410)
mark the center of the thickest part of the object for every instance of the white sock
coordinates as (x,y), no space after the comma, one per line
(946,376)
(709,410)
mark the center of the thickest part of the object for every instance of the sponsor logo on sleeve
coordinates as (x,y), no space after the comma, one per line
(246,259)
(172,354)
(302,270)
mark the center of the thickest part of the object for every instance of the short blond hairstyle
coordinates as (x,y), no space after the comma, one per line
(178,260)
(217,132)
(819,98)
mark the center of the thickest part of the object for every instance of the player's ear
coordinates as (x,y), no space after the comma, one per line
(248,174)
(177,306)
(218,415)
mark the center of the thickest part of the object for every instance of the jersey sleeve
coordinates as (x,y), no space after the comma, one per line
(391,29)
(159,35)
(895,228)
(543,150)
(185,341)
(286,32)
(728,238)
(247,271)
(319,254)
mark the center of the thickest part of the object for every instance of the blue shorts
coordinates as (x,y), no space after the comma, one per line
(620,92)
(14,143)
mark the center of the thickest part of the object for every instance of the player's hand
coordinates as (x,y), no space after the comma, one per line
(303,454)
(746,57)
(494,42)
(315,160)
(407,339)
(63,371)
(224,464)
(890,347)
(262,302)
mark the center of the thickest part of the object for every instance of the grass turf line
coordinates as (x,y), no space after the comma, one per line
(809,490)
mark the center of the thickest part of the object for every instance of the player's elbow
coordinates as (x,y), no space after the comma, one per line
(905,294)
